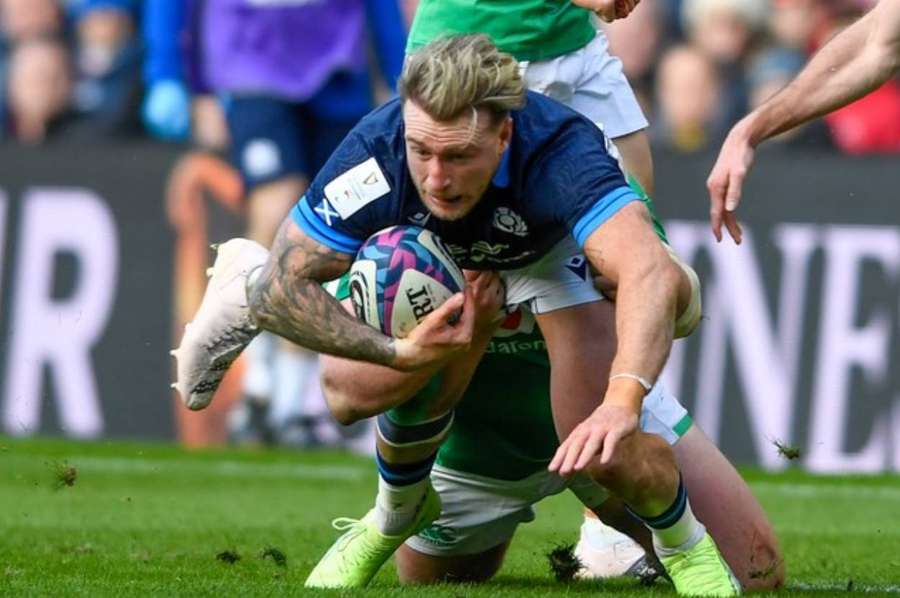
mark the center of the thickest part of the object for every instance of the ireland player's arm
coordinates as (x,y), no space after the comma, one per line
(853,63)
(355,390)
(287,298)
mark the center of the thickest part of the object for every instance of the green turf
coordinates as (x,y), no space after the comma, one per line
(150,520)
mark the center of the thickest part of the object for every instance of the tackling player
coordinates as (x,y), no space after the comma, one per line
(491,468)
(508,180)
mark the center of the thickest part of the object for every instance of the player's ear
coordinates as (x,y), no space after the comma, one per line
(506,130)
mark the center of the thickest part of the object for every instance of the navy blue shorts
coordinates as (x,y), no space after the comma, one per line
(272,138)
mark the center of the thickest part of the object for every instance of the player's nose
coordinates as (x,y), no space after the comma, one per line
(437,178)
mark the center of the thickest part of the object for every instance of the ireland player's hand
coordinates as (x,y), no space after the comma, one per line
(725,182)
(608,10)
(488,297)
(599,433)
(443,334)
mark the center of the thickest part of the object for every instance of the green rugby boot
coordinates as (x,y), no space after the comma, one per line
(701,571)
(355,558)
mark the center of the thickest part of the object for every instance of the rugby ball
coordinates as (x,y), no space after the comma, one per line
(402,274)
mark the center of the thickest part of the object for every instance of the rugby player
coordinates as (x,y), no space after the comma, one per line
(563,55)
(854,62)
(491,468)
(508,180)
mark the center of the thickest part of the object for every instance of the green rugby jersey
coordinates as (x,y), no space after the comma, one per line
(527,29)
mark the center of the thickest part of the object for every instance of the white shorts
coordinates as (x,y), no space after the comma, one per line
(591,81)
(560,279)
(479,513)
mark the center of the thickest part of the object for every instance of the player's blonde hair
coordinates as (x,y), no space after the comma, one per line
(455,74)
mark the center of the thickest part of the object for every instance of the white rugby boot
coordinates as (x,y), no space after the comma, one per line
(222,327)
(607,553)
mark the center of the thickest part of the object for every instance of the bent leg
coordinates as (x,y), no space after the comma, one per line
(414,567)
(637,160)
(735,519)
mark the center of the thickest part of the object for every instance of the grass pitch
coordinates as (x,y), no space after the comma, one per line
(125,519)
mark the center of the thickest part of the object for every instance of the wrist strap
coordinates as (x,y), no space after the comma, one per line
(640,380)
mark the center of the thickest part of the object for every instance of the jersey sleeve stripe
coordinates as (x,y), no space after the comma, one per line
(602,211)
(313,226)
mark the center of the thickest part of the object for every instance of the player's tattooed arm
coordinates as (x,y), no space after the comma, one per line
(287,299)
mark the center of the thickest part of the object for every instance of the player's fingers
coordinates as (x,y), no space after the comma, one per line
(715,221)
(589,451)
(465,325)
(733,226)
(447,313)
(576,447)
(566,453)
(560,455)
(735,183)
(609,445)
(606,10)
(716,204)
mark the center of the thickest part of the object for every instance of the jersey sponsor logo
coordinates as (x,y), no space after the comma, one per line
(513,347)
(356,188)
(420,218)
(578,265)
(509,222)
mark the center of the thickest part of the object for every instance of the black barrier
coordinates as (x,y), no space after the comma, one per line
(799,346)
(800,342)
(86,290)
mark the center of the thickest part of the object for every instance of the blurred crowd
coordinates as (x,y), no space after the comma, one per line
(88,68)
(276,84)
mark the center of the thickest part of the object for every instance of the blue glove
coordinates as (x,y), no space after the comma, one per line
(167,110)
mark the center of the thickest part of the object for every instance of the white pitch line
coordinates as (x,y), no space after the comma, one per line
(141,465)
(842,587)
(850,491)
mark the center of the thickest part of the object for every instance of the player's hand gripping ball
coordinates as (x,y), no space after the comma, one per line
(402,274)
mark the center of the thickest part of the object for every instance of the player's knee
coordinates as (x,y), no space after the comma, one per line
(341,405)
(766,570)
(641,462)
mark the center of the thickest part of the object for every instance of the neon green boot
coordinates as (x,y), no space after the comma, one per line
(355,558)
(701,571)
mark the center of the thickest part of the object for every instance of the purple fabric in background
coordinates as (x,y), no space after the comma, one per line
(284,48)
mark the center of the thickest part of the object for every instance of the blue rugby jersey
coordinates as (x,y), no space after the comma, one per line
(556,178)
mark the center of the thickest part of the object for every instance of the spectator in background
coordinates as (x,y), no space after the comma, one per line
(726,32)
(769,72)
(688,88)
(793,23)
(107,67)
(296,79)
(39,86)
(22,20)
(871,124)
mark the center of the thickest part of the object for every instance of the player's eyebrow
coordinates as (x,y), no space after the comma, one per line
(457,148)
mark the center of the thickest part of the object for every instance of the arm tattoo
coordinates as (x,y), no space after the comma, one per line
(288,299)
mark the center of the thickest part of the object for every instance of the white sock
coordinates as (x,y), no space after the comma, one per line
(396,506)
(682,535)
